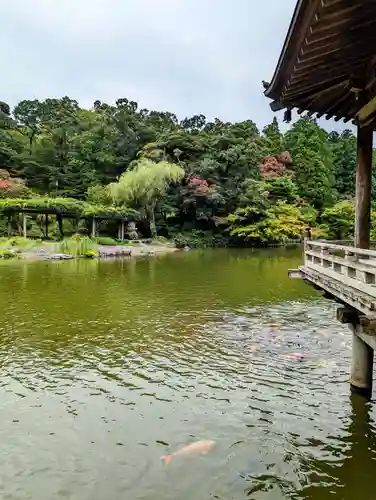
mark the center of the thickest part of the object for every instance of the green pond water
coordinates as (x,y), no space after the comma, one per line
(106,366)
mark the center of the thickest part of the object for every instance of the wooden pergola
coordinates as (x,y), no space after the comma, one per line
(327,67)
(60,215)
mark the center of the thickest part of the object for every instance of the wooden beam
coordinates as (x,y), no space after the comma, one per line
(346,65)
(327,29)
(303,89)
(355,33)
(336,103)
(347,315)
(366,111)
(363,187)
(276,106)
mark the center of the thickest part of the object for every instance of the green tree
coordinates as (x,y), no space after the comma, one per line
(231,169)
(312,162)
(338,221)
(343,147)
(99,195)
(282,188)
(274,138)
(279,223)
(144,185)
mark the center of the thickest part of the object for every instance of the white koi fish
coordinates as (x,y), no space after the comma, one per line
(200,447)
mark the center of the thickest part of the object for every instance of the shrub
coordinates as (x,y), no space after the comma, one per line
(161,240)
(180,240)
(17,242)
(91,254)
(79,246)
(200,239)
(7,254)
(105,240)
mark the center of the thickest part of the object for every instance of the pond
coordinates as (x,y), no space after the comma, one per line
(106,366)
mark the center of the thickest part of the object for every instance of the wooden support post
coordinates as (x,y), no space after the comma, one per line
(46,226)
(9,225)
(24,225)
(119,231)
(362,354)
(362,364)
(59,219)
(122,230)
(93,228)
(363,187)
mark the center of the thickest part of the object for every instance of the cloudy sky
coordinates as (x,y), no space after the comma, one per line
(184,56)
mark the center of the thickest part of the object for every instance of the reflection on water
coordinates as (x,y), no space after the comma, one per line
(106,366)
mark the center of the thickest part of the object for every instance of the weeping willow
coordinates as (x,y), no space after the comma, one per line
(144,185)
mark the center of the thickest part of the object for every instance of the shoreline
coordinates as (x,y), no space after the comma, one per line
(48,251)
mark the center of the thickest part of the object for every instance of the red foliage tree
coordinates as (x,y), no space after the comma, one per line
(11,186)
(273,167)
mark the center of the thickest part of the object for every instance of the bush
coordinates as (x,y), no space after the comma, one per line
(79,246)
(17,242)
(7,254)
(279,223)
(161,240)
(200,239)
(106,240)
(91,254)
(181,240)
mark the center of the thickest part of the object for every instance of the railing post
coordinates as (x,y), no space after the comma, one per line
(351,258)
(307,237)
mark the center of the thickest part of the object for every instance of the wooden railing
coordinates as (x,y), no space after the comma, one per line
(347,272)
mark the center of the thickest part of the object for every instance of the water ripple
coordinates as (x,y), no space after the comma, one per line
(99,389)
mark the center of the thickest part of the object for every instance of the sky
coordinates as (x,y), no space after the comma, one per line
(183,56)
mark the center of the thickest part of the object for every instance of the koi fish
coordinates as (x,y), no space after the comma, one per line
(295,355)
(200,447)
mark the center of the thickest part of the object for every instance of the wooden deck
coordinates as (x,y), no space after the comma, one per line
(327,67)
(346,273)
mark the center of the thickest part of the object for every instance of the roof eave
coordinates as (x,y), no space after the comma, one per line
(298,18)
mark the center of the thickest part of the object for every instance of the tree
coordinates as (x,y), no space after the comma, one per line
(312,162)
(338,221)
(282,188)
(274,138)
(278,224)
(194,124)
(4,108)
(233,169)
(198,201)
(144,185)
(343,147)
(12,187)
(28,116)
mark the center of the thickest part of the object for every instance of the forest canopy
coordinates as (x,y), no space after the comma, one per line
(194,180)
